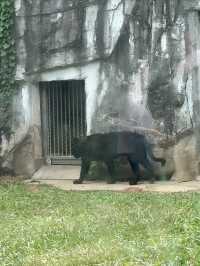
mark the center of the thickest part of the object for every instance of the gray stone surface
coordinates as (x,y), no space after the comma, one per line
(26,159)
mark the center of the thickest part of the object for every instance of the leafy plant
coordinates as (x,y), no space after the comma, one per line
(7,65)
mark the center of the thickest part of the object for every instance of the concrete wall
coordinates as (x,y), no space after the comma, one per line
(139,60)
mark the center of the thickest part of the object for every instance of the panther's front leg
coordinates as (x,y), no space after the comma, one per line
(85,165)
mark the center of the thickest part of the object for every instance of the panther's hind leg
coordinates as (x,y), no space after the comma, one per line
(133,180)
(148,166)
(110,166)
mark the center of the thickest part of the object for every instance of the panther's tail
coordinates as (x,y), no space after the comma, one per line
(150,153)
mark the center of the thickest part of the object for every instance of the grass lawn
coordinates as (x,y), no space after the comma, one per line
(47,226)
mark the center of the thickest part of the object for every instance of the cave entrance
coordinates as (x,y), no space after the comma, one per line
(63,112)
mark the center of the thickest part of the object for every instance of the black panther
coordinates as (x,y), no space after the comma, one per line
(109,146)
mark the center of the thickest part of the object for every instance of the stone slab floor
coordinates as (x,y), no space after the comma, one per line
(63,176)
(57,172)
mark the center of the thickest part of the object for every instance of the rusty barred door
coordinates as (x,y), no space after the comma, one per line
(63,107)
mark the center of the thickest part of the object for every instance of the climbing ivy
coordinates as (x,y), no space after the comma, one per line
(7,64)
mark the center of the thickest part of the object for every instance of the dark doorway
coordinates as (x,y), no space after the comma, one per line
(63,106)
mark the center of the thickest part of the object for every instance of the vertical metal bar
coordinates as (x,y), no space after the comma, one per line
(44,118)
(65,118)
(46,88)
(77,107)
(80,109)
(73,117)
(48,91)
(84,109)
(43,107)
(74,108)
(70,118)
(74,103)
(61,119)
(57,118)
(54,118)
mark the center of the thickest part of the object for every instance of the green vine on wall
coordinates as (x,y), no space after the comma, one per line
(7,65)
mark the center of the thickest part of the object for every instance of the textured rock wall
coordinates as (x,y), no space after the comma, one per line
(141,47)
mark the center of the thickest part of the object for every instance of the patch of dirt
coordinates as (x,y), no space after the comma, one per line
(32,188)
(7,179)
(134,189)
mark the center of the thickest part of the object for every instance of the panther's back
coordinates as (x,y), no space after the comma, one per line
(109,145)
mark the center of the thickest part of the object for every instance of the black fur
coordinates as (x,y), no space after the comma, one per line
(107,147)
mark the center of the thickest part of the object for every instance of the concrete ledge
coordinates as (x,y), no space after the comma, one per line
(162,187)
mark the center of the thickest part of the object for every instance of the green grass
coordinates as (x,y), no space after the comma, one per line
(48,226)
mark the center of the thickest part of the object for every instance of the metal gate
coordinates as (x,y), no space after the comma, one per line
(63,118)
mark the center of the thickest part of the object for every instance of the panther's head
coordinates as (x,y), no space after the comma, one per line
(77,147)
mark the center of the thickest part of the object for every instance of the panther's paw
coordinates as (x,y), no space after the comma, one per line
(110,182)
(132,182)
(78,181)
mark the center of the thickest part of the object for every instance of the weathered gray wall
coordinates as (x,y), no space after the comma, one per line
(135,42)
(139,60)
